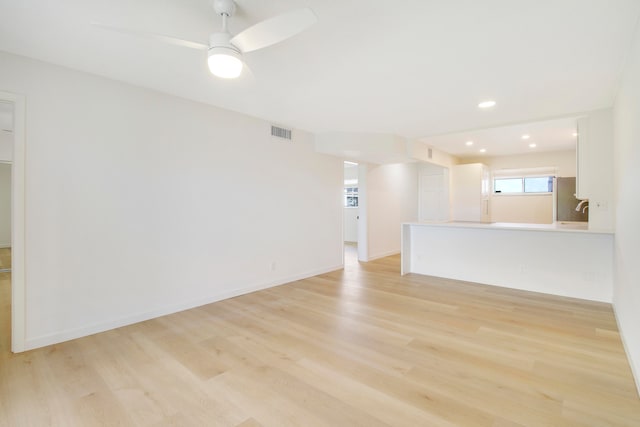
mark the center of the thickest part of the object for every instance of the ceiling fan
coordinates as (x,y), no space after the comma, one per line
(224,49)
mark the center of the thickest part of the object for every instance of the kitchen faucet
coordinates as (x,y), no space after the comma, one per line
(579,207)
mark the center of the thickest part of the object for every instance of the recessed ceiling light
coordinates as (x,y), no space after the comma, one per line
(468,143)
(526,136)
(532,145)
(346,162)
(487,104)
(483,150)
(575,134)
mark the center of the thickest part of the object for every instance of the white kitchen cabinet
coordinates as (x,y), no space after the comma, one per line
(583,160)
(595,167)
(433,193)
(470,188)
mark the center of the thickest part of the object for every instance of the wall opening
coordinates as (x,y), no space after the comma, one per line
(6,161)
(12,153)
(351,206)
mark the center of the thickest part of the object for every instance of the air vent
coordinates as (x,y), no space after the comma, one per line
(279,132)
(429,153)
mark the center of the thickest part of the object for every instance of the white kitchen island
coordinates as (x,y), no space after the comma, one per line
(555,259)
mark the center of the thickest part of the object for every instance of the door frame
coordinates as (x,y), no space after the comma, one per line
(363,218)
(18,284)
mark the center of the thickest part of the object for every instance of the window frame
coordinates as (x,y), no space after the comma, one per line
(523,175)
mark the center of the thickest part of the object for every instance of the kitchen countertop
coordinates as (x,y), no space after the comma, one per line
(563,226)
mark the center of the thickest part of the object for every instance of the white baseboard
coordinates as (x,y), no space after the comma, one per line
(383,255)
(5,245)
(70,334)
(635,370)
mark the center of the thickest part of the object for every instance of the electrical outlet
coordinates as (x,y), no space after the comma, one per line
(601,204)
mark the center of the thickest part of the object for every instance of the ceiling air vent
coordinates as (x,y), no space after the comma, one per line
(279,132)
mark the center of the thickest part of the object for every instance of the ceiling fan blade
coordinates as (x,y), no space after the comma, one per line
(160,37)
(274,30)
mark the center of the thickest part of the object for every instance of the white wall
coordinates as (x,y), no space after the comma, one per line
(626,297)
(141,204)
(391,199)
(350,172)
(420,151)
(563,161)
(363,147)
(5,205)
(529,209)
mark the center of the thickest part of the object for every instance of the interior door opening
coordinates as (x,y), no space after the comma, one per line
(351,207)
(13,291)
(5,217)
(5,257)
(6,170)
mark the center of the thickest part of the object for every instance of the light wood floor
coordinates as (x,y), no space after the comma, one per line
(359,347)
(5,258)
(5,314)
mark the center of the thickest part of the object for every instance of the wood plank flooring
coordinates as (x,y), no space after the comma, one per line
(359,347)
(5,258)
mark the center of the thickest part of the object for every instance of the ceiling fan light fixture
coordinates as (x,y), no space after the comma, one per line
(225,51)
(225,62)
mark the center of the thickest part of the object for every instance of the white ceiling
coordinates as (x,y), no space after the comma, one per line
(415,71)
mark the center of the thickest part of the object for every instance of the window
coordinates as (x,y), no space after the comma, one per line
(507,185)
(350,197)
(525,184)
(538,184)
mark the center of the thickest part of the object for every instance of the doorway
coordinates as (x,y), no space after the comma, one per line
(12,219)
(5,215)
(6,160)
(351,207)
(5,256)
